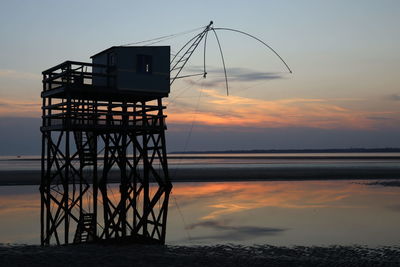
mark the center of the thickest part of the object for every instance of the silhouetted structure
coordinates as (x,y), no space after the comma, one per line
(100,120)
(105,119)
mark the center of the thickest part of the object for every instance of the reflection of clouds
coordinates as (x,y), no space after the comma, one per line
(228,198)
(225,208)
(19,203)
(19,207)
(230,232)
(394,207)
(201,195)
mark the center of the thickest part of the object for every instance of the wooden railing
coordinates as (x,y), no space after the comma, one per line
(97,114)
(71,73)
(61,119)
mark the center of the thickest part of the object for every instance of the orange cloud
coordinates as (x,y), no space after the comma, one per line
(15,108)
(218,109)
(19,203)
(13,74)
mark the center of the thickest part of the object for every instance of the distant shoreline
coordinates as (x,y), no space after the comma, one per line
(236,174)
(321,156)
(273,151)
(175,154)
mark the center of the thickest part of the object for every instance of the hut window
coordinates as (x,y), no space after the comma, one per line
(144,64)
(111,59)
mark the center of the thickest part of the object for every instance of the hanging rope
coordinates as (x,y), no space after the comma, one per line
(183,218)
(172,101)
(159,39)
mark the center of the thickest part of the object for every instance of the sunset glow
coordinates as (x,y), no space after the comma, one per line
(219,109)
(343,91)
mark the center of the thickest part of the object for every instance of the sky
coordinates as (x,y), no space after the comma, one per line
(343,92)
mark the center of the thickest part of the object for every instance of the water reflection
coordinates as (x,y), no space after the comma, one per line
(230,232)
(226,198)
(279,213)
(285,213)
(19,214)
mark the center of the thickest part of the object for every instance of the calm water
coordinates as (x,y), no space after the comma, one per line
(273,212)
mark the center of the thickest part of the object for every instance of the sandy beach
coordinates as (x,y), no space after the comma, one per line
(218,255)
(193,174)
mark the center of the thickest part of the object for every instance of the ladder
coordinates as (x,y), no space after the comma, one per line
(182,60)
(86,147)
(85,229)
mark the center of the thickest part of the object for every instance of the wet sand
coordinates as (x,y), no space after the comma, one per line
(216,174)
(219,255)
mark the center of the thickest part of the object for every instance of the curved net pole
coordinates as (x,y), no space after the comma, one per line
(261,41)
(223,60)
(204,56)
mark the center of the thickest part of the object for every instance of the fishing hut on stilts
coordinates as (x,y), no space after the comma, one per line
(104,162)
(103,123)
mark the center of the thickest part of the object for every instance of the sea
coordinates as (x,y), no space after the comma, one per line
(288,213)
(209,160)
